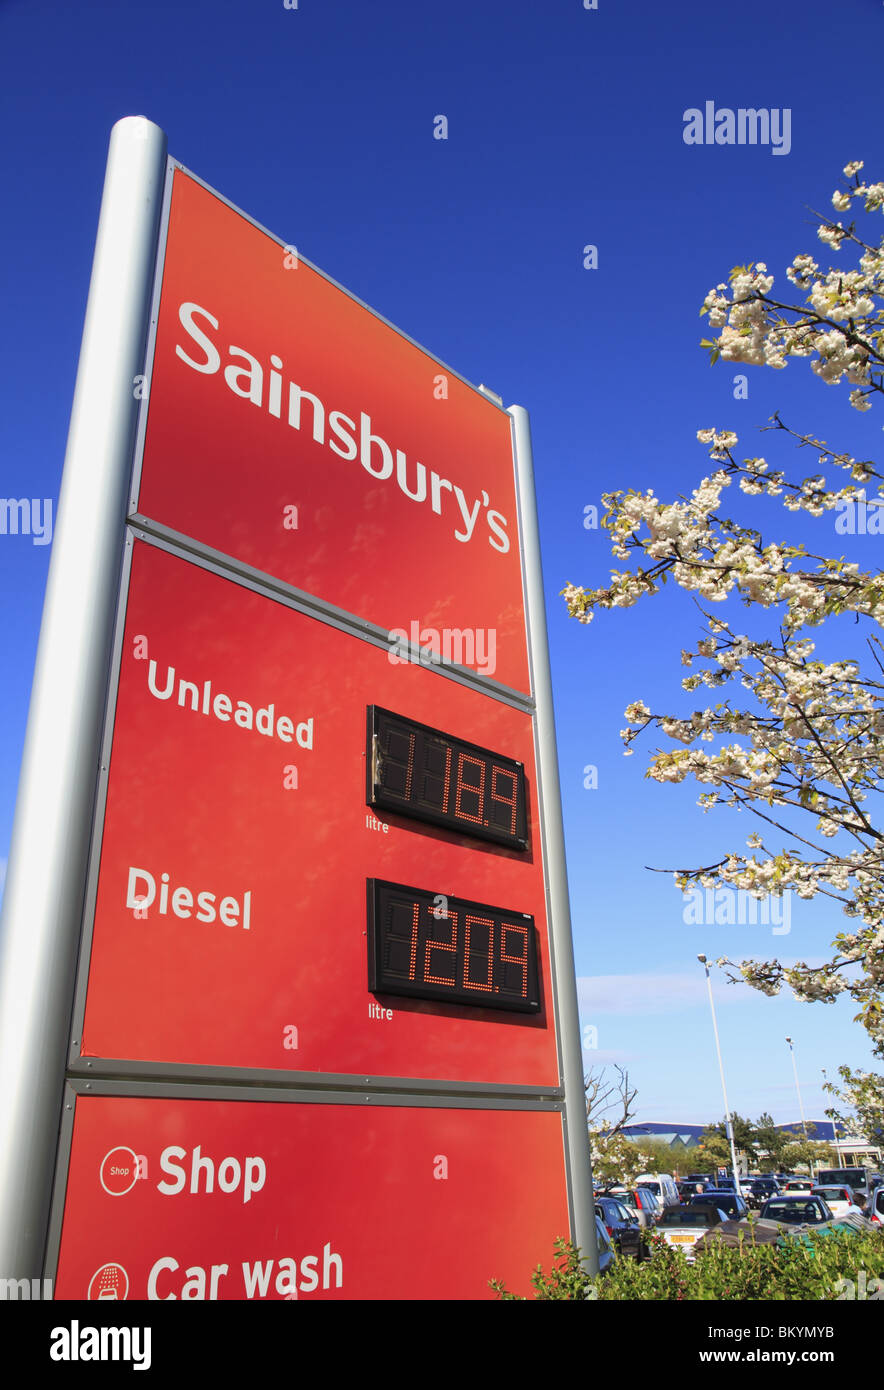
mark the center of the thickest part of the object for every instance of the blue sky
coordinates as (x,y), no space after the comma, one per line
(565,129)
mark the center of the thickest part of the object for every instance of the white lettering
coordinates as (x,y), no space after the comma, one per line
(345,438)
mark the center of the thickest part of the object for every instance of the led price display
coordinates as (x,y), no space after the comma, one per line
(432,946)
(422,772)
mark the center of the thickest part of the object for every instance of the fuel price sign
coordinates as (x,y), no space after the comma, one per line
(435,777)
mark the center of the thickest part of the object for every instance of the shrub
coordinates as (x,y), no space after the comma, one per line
(813,1266)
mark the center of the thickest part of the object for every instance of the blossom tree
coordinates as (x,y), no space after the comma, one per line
(608,1110)
(858,1103)
(797,740)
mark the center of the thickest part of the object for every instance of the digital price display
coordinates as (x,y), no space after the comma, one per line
(431,946)
(421,772)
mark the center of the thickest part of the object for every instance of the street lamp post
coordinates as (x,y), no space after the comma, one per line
(728,1122)
(834,1126)
(800,1101)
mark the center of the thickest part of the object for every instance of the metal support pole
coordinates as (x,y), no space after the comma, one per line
(800,1101)
(549,796)
(43,901)
(728,1121)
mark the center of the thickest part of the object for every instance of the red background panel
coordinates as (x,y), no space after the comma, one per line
(205,801)
(222,469)
(358,1179)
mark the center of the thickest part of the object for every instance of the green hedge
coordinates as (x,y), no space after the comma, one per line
(818,1266)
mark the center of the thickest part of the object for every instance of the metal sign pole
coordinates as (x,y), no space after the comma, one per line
(549,796)
(50,841)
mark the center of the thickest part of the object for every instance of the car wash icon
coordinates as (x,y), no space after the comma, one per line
(108,1283)
(120,1169)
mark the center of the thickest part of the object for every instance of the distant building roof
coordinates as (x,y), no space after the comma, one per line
(687,1136)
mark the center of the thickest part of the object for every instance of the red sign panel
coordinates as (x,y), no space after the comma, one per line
(209,1199)
(296,431)
(231,916)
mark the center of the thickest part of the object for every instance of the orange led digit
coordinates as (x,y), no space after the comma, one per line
(447,787)
(433,945)
(485,922)
(510,801)
(470,788)
(521,960)
(415,922)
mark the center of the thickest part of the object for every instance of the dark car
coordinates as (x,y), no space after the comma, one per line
(757,1191)
(727,1201)
(623,1228)
(607,1253)
(688,1189)
(797,1211)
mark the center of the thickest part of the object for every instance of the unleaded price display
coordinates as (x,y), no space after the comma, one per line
(432,776)
(432,946)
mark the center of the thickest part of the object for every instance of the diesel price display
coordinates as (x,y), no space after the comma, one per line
(432,776)
(430,946)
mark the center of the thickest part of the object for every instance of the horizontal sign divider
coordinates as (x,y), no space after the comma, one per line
(228,567)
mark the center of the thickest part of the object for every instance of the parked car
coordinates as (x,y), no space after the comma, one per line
(859,1179)
(875,1208)
(797,1211)
(682,1227)
(663,1187)
(640,1201)
(607,1253)
(734,1207)
(687,1190)
(626,1198)
(838,1199)
(798,1187)
(622,1227)
(758,1190)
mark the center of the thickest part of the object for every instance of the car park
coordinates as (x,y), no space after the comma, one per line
(682,1227)
(797,1210)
